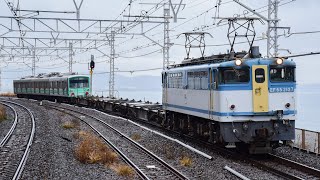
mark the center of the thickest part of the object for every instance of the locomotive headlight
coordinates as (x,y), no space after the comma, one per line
(276,125)
(279,61)
(238,62)
(232,107)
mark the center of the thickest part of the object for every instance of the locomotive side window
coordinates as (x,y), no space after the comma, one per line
(198,80)
(175,80)
(282,74)
(234,76)
(259,75)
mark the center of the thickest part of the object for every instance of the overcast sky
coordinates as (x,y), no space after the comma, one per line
(301,16)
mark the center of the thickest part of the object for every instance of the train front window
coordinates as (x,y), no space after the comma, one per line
(79,83)
(234,76)
(282,74)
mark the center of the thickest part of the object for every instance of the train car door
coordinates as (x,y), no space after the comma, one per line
(260,93)
(212,87)
(211,84)
(164,89)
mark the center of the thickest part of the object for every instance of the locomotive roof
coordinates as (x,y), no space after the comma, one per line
(231,63)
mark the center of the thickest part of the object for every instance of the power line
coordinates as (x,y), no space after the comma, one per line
(142,54)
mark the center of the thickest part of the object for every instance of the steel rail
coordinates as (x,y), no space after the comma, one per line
(235,173)
(23,160)
(8,135)
(166,165)
(307,169)
(124,157)
(225,152)
(232,154)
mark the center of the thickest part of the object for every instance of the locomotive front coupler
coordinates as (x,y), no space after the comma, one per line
(279,114)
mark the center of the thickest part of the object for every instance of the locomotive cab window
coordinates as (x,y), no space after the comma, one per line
(234,76)
(259,75)
(282,74)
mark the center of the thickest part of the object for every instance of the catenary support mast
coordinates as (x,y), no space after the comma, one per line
(112,57)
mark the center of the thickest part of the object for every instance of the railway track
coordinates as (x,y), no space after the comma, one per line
(267,163)
(270,163)
(295,169)
(146,164)
(15,147)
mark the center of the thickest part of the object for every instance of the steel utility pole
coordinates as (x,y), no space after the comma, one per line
(70,57)
(78,7)
(167,8)
(166,38)
(112,57)
(273,22)
(272,33)
(33,68)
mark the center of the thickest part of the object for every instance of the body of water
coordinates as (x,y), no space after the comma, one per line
(308,97)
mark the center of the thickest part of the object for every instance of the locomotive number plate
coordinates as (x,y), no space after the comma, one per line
(281,89)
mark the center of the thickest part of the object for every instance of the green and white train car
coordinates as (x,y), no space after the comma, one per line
(53,85)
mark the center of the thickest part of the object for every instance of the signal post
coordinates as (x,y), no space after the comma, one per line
(92,65)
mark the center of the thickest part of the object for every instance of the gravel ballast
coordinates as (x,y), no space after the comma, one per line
(52,152)
(51,156)
(172,152)
(6,124)
(302,157)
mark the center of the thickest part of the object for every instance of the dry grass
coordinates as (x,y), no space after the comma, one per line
(123,170)
(92,150)
(136,137)
(186,161)
(68,125)
(8,94)
(71,124)
(3,113)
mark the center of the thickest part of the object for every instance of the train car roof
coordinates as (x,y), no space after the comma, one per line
(231,63)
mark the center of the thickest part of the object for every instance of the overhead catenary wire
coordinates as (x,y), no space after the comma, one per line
(133,50)
(215,26)
(156,7)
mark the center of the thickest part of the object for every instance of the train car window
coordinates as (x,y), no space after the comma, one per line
(234,76)
(79,83)
(259,75)
(282,74)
